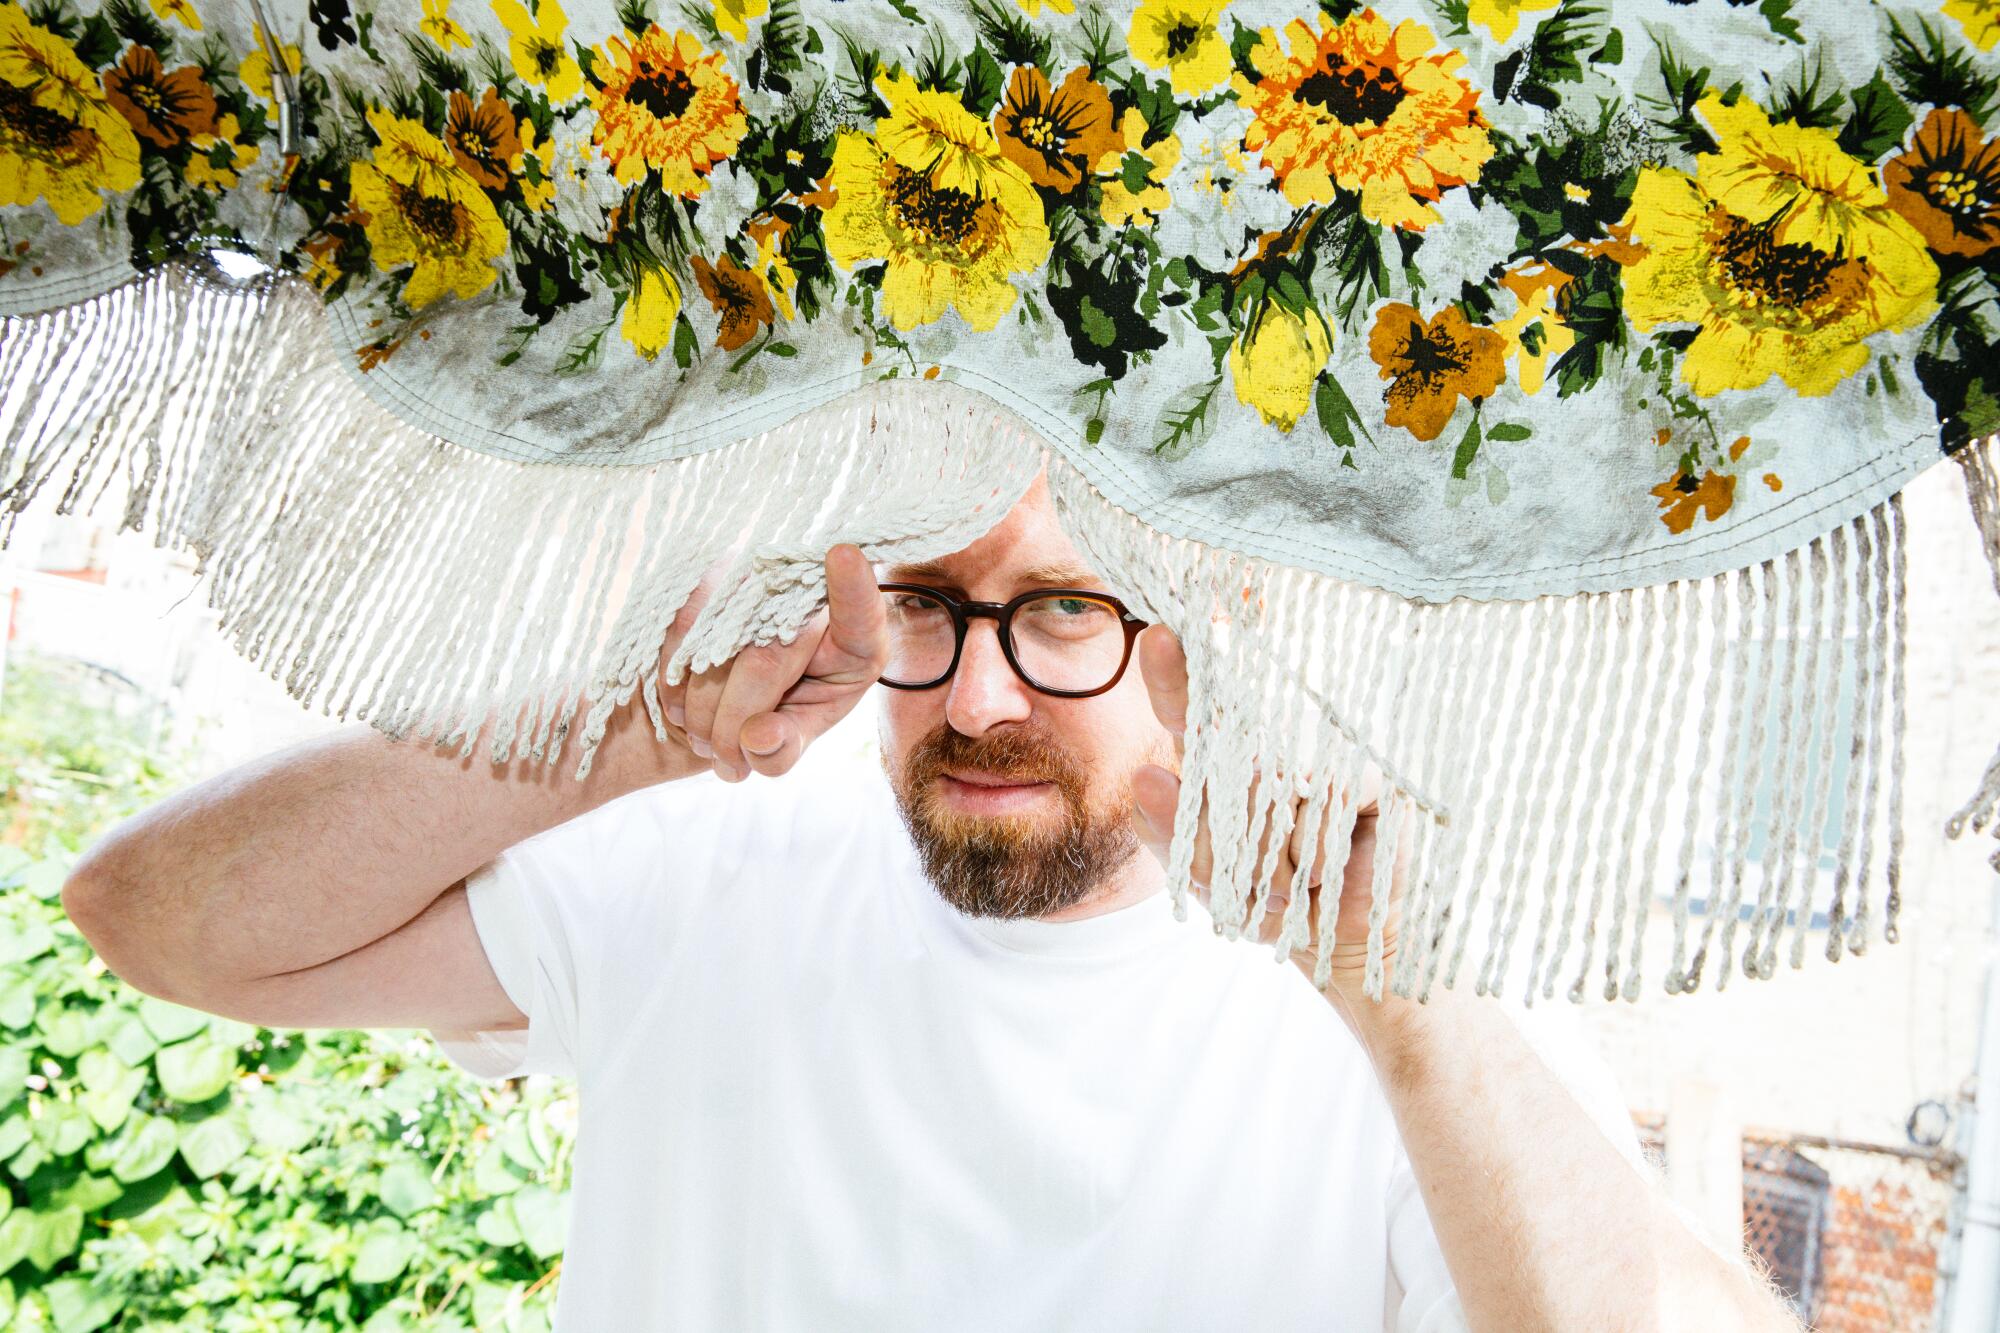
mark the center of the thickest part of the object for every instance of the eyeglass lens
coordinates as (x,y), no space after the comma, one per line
(1062,642)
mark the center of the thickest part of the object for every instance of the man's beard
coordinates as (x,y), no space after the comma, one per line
(1009,865)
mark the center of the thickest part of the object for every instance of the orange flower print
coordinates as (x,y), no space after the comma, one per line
(1432,364)
(1055,136)
(482,137)
(1947,185)
(166,110)
(1364,107)
(667,105)
(739,298)
(1682,498)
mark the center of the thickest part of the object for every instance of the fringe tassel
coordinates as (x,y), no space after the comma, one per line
(1981,470)
(1560,762)
(561,582)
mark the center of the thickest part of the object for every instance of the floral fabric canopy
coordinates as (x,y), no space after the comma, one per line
(1414,316)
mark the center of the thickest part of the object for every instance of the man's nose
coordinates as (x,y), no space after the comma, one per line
(984,690)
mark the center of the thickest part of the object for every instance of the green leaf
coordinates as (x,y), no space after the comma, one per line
(132,1041)
(1337,416)
(170,1022)
(493,1173)
(1468,449)
(982,82)
(23,940)
(44,1239)
(13,1074)
(543,1218)
(406,1188)
(496,1226)
(15,1131)
(78,1305)
(685,344)
(515,1142)
(110,1087)
(17,998)
(384,1254)
(86,1192)
(45,879)
(212,1146)
(1878,121)
(276,1128)
(1508,432)
(194,1071)
(145,1145)
(1097,326)
(62,1128)
(65,1031)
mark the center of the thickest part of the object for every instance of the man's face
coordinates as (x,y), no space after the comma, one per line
(1062,826)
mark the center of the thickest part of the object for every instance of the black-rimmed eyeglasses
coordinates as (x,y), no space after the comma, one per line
(1069,642)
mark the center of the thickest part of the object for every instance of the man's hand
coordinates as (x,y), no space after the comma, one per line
(759,710)
(1156,792)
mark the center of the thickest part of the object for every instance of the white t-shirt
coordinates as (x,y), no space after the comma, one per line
(812,1095)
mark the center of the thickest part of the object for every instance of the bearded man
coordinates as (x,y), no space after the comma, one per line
(924,1053)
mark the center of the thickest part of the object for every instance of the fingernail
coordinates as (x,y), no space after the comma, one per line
(762,749)
(701,747)
(1147,828)
(676,714)
(728,772)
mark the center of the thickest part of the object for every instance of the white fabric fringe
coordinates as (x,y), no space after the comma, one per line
(1726,745)
(1561,762)
(467,589)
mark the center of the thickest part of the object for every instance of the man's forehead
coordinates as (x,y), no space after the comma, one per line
(949,571)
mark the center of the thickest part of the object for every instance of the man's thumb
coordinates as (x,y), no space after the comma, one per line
(765,734)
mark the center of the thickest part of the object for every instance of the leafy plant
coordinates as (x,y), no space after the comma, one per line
(163,1169)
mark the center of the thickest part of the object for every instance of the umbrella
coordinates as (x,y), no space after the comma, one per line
(1514,394)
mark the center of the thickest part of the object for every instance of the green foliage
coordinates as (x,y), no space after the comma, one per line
(165,1169)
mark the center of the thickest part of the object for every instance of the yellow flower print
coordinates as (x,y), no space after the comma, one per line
(1183,37)
(535,44)
(1979,18)
(1535,334)
(441,27)
(931,193)
(1275,360)
(650,312)
(179,10)
(732,17)
(1366,107)
(1136,191)
(1782,250)
(255,71)
(61,140)
(540,191)
(666,104)
(771,265)
(1501,17)
(202,170)
(425,211)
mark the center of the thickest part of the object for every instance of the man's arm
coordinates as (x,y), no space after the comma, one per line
(323,886)
(1542,1222)
(1543,1225)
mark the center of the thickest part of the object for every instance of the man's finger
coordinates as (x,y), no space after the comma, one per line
(759,676)
(856,645)
(1164,666)
(771,743)
(1156,792)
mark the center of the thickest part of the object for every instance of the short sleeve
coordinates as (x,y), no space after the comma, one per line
(526,905)
(1428,1303)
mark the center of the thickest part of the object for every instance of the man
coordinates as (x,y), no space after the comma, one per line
(958,1071)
